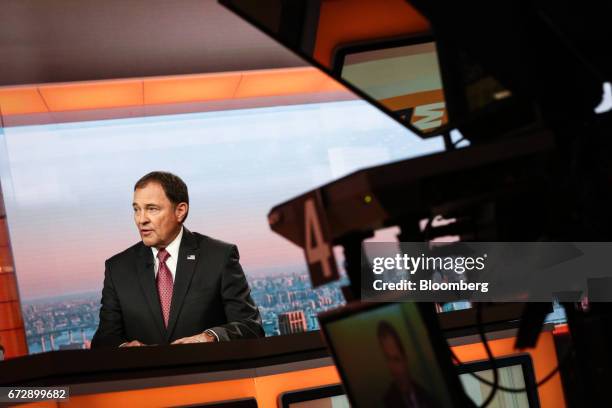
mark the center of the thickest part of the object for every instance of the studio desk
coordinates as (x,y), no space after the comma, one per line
(184,375)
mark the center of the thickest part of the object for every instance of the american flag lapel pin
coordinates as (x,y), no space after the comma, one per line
(190,257)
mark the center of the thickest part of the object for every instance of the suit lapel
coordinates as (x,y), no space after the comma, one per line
(188,257)
(146,278)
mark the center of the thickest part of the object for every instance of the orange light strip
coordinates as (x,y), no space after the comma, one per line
(21,100)
(92,95)
(44,98)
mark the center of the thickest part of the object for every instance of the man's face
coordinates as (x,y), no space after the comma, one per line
(396,361)
(157,218)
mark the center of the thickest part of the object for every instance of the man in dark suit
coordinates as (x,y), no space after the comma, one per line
(175,286)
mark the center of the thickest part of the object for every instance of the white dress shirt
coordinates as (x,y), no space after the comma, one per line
(173,250)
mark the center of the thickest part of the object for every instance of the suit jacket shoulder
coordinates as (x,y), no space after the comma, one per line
(127,255)
(212,244)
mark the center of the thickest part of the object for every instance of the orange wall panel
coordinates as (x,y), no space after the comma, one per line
(6,260)
(4,238)
(350,21)
(14,342)
(8,287)
(12,334)
(10,315)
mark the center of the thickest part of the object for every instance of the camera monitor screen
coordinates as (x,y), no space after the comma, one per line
(514,372)
(404,76)
(408,362)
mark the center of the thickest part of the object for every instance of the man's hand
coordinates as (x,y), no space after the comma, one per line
(198,338)
(133,343)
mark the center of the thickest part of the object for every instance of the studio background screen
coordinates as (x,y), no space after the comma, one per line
(68,192)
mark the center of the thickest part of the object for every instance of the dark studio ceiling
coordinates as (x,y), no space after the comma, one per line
(74,40)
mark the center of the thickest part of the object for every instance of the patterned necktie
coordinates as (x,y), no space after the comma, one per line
(164,284)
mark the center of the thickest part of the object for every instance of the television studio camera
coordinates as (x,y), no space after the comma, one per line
(526,131)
